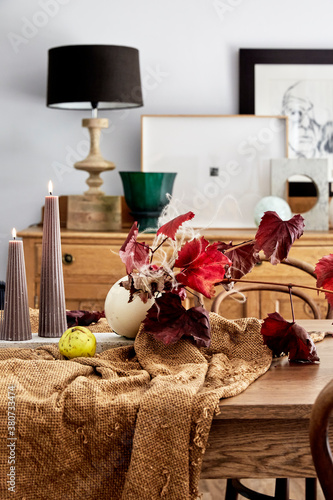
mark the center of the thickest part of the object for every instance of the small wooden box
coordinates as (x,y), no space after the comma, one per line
(94,213)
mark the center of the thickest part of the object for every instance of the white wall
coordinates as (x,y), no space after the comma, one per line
(189,64)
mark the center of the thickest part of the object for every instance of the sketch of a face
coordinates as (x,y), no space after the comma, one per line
(303,129)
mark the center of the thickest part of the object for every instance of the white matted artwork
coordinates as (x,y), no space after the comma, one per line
(315,219)
(222,162)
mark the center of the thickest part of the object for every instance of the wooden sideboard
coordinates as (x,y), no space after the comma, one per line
(91,265)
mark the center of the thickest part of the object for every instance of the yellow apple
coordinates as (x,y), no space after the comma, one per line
(77,341)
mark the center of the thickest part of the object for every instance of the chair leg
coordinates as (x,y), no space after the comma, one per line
(311,488)
(246,492)
(282,488)
(230,493)
(235,487)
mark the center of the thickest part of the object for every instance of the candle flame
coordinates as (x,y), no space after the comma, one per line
(50,187)
(14,233)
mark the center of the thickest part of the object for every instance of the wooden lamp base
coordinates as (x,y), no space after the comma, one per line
(94,164)
(93,211)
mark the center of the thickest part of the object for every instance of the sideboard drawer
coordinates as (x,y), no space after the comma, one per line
(94,260)
(89,272)
(84,296)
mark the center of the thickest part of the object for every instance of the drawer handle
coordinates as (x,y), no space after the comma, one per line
(67,258)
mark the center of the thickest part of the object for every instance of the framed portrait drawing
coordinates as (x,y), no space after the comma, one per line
(222,162)
(297,84)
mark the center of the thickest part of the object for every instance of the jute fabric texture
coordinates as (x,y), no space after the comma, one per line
(131,423)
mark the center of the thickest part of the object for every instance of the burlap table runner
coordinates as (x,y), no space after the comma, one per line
(131,423)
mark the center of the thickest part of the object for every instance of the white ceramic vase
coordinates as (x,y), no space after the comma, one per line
(122,316)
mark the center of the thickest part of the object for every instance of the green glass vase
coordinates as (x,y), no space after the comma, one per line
(146,195)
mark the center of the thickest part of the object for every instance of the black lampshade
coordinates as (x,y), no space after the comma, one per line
(79,75)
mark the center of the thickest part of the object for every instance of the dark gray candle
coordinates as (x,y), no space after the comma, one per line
(16,320)
(52,308)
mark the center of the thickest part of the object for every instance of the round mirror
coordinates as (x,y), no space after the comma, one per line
(302,193)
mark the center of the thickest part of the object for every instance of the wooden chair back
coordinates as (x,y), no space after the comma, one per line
(297,292)
(320,447)
(273,288)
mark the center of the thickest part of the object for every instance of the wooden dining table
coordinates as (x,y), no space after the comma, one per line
(264,431)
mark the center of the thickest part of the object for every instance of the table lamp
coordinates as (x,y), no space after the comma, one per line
(94,77)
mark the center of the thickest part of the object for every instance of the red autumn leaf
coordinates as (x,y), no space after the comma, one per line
(275,236)
(282,336)
(203,266)
(167,320)
(83,318)
(243,258)
(324,272)
(170,228)
(134,254)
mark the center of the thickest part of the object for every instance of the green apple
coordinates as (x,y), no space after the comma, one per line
(77,341)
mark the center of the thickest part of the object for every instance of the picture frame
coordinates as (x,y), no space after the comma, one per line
(297,83)
(316,218)
(222,162)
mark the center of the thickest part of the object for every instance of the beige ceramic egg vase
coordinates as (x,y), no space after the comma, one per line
(125,317)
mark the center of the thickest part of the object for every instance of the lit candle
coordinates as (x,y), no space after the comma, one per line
(52,308)
(16,320)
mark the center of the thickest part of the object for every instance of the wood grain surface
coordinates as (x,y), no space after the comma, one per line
(264,431)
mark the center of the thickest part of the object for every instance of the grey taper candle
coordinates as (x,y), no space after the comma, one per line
(16,321)
(52,308)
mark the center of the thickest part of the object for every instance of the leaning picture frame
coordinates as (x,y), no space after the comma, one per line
(222,162)
(297,83)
